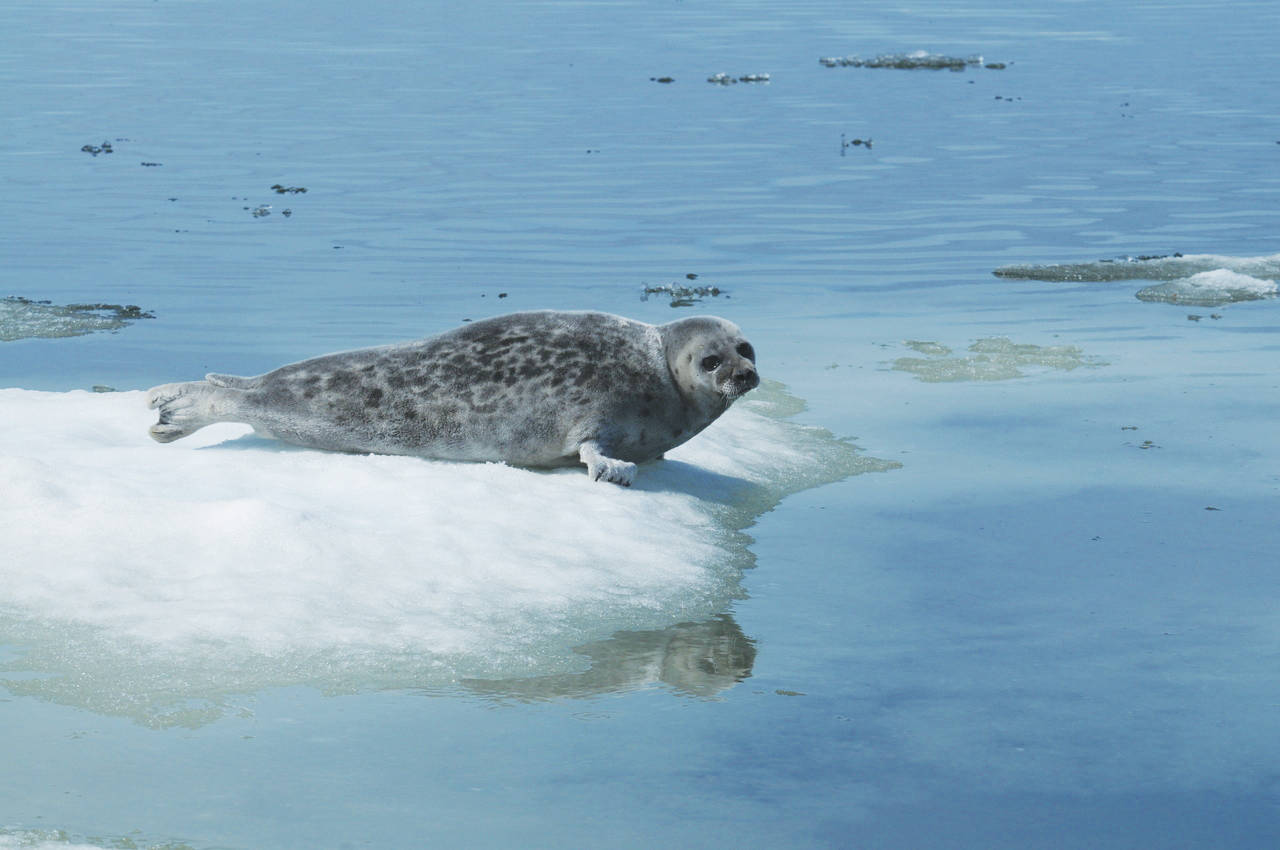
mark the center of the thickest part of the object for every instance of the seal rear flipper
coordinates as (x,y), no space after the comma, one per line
(184,409)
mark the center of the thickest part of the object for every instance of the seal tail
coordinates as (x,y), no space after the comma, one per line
(186,408)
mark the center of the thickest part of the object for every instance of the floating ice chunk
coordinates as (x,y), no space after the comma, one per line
(1167,267)
(724,79)
(681,296)
(21,318)
(933,349)
(32,839)
(154,581)
(908,61)
(1205,280)
(1210,289)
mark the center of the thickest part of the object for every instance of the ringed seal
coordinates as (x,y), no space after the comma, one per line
(540,389)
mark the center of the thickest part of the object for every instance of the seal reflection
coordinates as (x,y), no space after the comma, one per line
(693,659)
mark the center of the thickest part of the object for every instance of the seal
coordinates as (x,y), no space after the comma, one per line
(537,389)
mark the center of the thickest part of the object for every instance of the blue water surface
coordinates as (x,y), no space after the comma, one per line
(1054,626)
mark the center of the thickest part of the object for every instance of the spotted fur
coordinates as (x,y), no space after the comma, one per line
(532,389)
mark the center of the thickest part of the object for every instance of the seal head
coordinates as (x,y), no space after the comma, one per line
(711,362)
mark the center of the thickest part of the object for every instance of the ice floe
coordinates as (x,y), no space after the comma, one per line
(49,839)
(152,581)
(723,79)
(918,59)
(1200,279)
(21,318)
(1209,289)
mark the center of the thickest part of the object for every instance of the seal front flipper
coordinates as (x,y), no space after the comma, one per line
(601,467)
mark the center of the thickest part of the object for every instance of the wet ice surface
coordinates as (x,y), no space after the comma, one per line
(1053,626)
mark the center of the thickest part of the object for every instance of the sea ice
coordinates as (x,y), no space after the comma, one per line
(1206,280)
(30,839)
(909,61)
(21,318)
(1210,289)
(149,575)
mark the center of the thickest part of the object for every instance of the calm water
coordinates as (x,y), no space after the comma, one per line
(1054,626)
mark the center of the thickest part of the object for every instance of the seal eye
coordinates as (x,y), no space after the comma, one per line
(710,364)
(745,350)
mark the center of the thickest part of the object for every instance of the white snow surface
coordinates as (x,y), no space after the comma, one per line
(248,562)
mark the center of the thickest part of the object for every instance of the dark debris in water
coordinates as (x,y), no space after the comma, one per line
(681,295)
(264,210)
(723,79)
(121,311)
(106,147)
(257,210)
(853,143)
(1142,258)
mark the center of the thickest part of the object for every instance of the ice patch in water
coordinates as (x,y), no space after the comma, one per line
(155,581)
(57,839)
(933,349)
(994,359)
(21,318)
(1170,267)
(908,61)
(1206,280)
(1210,289)
(45,839)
